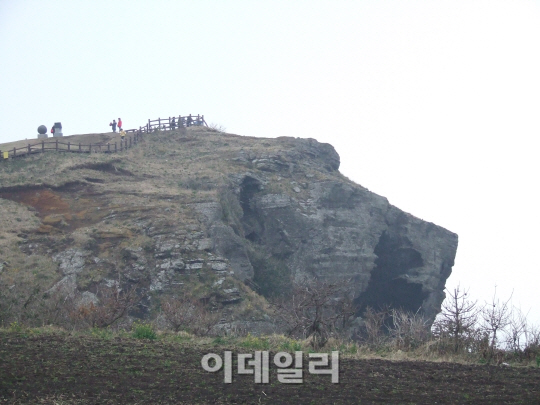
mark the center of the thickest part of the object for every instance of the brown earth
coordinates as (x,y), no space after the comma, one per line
(56,369)
(60,210)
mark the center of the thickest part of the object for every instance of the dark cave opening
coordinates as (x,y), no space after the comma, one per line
(252,226)
(388,286)
(248,188)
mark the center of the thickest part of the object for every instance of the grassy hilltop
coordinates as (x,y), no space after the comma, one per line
(106,205)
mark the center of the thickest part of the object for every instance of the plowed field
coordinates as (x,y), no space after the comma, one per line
(56,369)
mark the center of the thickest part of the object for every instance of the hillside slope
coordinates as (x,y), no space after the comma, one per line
(214,214)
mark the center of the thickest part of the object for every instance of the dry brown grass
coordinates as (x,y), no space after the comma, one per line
(106,199)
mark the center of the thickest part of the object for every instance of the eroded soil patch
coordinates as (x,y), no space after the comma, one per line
(64,209)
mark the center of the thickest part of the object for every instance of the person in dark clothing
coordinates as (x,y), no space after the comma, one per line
(52,129)
(113,125)
(173,123)
(189,120)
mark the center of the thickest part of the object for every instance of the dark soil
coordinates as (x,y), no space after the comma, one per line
(58,369)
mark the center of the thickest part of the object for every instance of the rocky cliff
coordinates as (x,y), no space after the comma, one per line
(226,217)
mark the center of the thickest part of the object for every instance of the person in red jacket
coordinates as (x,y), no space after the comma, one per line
(119,124)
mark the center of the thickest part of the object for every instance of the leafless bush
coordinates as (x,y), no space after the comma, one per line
(217,127)
(457,324)
(189,314)
(531,343)
(54,308)
(114,303)
(496,316)
(516,332)
(393,328)
(408,330)
(316,309)
(373,329)
(35,307)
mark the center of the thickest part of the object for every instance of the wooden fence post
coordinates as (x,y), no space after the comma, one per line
(57,145)
(42,146)
(29,148)
(148,126)
(14,152)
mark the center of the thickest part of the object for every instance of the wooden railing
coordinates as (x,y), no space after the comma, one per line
(129,141)
(168,124)
(59,146)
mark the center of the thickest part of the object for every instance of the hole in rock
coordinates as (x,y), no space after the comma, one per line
(388,285)
(252,226)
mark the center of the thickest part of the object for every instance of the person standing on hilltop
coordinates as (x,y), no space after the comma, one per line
(119,124)
(113,125)
(173,123)
(122,133)
(189,121)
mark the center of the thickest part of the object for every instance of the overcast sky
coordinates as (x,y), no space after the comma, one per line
(432,104)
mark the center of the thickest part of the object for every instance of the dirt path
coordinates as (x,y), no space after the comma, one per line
(126,371)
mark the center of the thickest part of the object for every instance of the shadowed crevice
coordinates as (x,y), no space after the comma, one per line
(389,285)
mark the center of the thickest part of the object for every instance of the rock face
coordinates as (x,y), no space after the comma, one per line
(229,213)
(334,230)
(339,231)
(345,232)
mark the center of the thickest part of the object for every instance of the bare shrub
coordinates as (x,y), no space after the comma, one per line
(316,310)
(217,127)
(35,308)
(496,316)
(373,330)
(531,344)
(516,332)
(188,314)
(114,303)
(21,286)
(54,308)
(456,326)
(391,327)
(408,330)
